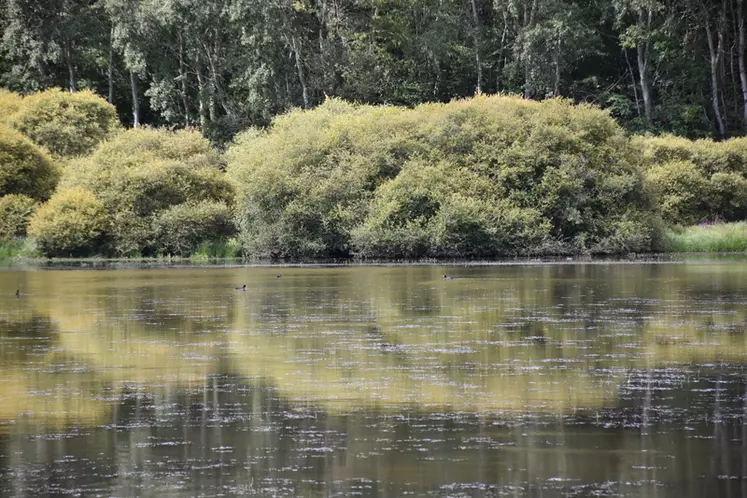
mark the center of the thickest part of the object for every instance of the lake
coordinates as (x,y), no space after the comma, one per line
(559,379)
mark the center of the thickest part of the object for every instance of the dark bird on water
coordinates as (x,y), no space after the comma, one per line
(279,275)
(242,288)
(18,293)
(446,277)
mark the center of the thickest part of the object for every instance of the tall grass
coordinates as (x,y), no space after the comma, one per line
(721,237)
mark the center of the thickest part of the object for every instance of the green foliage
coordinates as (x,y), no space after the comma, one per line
(181,229)
(15,213)
(142,173)
(480,177)
(696,180)
(681,191)
(73,223)
(24,168)
(66,124)
(720,237)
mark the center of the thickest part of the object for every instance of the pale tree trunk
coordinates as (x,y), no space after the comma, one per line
(299,67)
(110,67)
(715,49)
(476,41)
(643,62)
(70,68)
(201,99)
(135,101)
(742,68)
(635,85)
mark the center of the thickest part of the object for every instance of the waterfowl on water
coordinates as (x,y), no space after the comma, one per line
(446,277)
(280,276)
(18,293)
(242,288)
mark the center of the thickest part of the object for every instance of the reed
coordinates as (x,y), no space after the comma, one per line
(718,237)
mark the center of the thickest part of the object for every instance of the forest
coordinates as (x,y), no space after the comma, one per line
(223,65)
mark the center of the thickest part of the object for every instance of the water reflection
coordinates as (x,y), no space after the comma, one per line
(595,379)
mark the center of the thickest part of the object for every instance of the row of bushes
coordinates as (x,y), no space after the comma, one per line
(481,177)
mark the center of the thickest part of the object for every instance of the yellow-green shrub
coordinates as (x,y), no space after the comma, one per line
(140,173)
(10,102)
(182,228)
(681,192)
(696,180)
(73,223)
(24,168)
(15,212)
(66,124)
(484,176)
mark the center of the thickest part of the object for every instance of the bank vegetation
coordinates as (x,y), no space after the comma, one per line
(485,177)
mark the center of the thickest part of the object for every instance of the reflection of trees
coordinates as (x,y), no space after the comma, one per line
(511,338)
(230,435)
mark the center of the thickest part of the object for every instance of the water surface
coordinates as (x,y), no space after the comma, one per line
(594,379)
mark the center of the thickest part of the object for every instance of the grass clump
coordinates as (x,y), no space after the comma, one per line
(719,237)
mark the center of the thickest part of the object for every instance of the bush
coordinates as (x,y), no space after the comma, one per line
(10,102)
(73,223)
(682,192)
(24,168)
(696,180)
(15,213)
(181,229)
(478,177)
(66,124)
(141,173)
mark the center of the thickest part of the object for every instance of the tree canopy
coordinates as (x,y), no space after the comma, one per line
(674,66)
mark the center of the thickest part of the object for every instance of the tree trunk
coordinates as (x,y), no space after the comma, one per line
(714,51)
(201,99)
(299,67)
(135,101)
(742,68)
(635,85)
(110,67)
(70,68)
(643,59)
(183,81)
(476,41)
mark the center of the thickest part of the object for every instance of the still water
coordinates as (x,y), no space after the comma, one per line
(597,379)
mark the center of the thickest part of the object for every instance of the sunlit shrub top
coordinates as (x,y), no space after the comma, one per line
(66,124)
(24,168)
(145,170)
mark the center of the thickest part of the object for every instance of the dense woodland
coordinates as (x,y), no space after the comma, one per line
(223,65)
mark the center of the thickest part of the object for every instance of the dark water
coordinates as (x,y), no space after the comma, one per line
(514,380)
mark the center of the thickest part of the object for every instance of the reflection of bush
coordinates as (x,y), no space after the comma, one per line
(359,337)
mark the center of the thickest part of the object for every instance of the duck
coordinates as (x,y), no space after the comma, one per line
(280,275)
(446,277)
(242,288)
(18,293)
